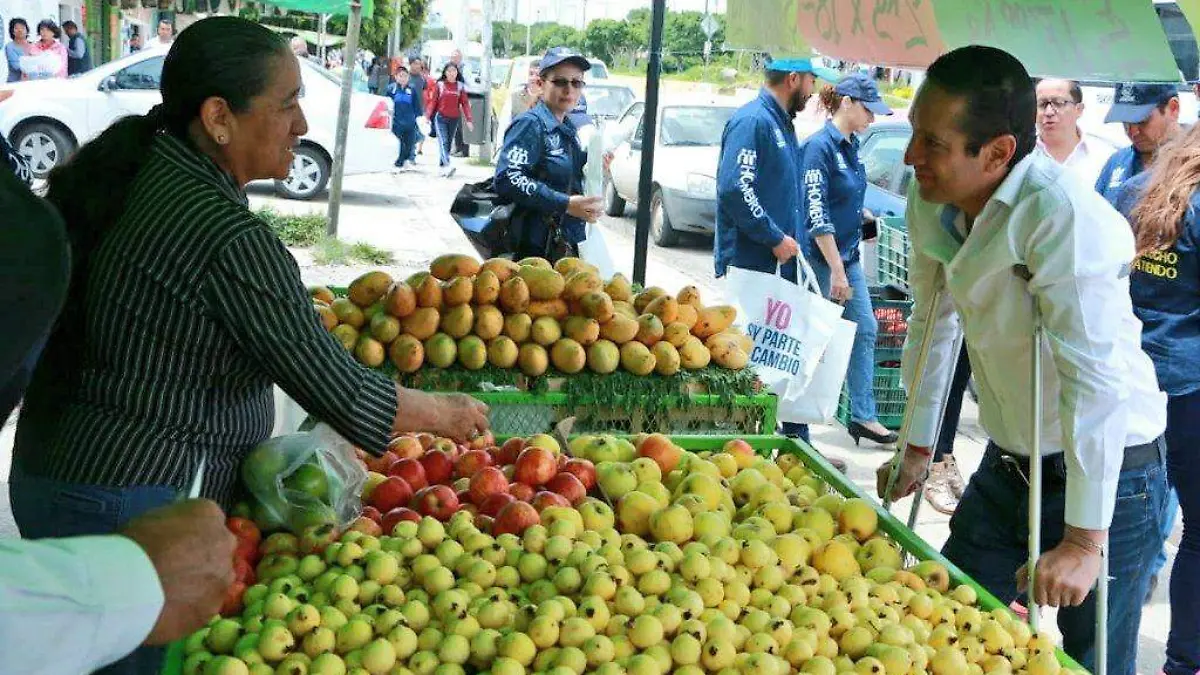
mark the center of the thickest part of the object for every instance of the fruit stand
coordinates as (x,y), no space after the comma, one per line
(685,554)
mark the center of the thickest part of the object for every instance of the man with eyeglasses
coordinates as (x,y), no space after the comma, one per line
(1059,106)
(1150,113)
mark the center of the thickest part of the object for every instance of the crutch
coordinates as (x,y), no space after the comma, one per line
(1035,498)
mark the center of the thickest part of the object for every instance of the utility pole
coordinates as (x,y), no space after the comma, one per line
(487,81)
(353,26)
(528,25)
(397,10)
(641,240)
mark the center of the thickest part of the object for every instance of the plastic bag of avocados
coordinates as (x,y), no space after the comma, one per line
(304,479)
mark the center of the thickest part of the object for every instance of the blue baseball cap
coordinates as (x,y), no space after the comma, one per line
(863,89)
(557,55)
(1134,101)
(802,65)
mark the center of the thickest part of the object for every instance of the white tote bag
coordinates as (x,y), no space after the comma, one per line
(789,324)
(817,403)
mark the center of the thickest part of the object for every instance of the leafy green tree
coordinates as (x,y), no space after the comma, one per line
(610,40)
(557,35)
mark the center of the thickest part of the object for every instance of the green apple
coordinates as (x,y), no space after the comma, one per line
(454,649)
(222,636)
(616,479)
(302,619)
(378,657)
(353,635)
(518,647)
(507,666)
(318,641)
(327,664)
(274,642)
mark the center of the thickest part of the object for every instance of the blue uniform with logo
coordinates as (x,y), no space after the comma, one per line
(758,200)
(405,110)
(833,185)
(540,167)
(1123,165)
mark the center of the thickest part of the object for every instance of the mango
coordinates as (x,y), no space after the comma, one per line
(568,356)
(665,308)
(583,330)
(385,327)
(369,288)
(535,261)
(713,320)
(458,291)
(489,321)
(472,352)
(637,359)
(545,331)
(487,288)
(321,293)
(503,268)
(369,351)
(625,309)
(407,354)
(421,324)
(643,299)
(502,352)
(533,359)
(514,295)
(581,283)
(401,300)
(603,357)
(518,327)
(727,353)
(666,358)
(676,334)
(544,284)
(689,295)
(596,305)
(329,320)
(693,355)
(619,329)
(457,321)
(556,308)
(619,288)
(650,329)
(450,265)
(428,289)
(347,335)
(570,265)
(441,350)
(348,313)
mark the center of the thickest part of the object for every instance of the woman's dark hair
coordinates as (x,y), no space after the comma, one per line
(47,23)
(12,27)
(224,57)
(999,95)
(829,99)
(457,72)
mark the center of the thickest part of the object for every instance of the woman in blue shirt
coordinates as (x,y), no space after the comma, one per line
(1163,206)
(833,183)
(407,107)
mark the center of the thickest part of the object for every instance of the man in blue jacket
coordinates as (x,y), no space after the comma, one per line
(1150,113)
(758,177)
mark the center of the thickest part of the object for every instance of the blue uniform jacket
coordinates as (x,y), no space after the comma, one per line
(758,195)
(407,106)
(833,186)
(540,167)
(1166,296)
(1123,165)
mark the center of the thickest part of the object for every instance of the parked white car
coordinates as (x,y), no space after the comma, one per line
(683,195)
(46,120)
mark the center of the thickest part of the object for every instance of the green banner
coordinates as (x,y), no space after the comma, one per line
(766,25)
(334,7)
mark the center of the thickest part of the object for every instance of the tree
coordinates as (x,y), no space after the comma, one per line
(610,40)
(557,35)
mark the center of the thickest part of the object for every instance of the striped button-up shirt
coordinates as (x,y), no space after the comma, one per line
(188,311)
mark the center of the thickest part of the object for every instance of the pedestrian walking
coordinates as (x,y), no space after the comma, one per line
(420,83)
(19,46)
(1006,241)
(380,76)
(449,109)
(79,55)
(406,108)
(50,54)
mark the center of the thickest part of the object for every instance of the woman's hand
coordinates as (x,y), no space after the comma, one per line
(456,416)
(470,125)
(584,207)
(839,286)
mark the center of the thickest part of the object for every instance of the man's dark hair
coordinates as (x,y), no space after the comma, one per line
(998,92)
(168,22)
(69,25)
(12,27)
(1073,88)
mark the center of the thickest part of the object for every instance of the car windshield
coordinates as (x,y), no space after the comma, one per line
(694,125)
(608,101)
(598,71)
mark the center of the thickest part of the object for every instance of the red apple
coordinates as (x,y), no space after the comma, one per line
(492,504)
(469,508)
(381,463)
(546,499)
(243,572)
(366,526)
(412,471)
(510,450)
(438,501)
(244,529)
(372,513)
(247,551)
(482,441)
(439,465)
(487,482)
(515,518)
(738,447)
(426,440)
(232,606)
(464,498)
(447,446)
(567,485)
(582,469)
(280,542)
(471,462)
(509,470)
(535,466)
(391,518)
(660,449)
(521,492)
(394,491)
(484,523)
(562,461)
(406,447)
(314,538)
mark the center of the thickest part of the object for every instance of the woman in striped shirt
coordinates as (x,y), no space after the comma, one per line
(185,309)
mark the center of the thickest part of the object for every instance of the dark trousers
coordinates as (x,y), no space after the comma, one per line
(460,146)
(1183,448)
(45,508)
(408,143)
(953,409)
(989,533)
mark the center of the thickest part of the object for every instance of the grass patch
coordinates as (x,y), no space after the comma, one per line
(295,230)
(333,251)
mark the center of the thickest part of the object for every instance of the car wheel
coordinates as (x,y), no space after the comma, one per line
(44,146)
(309,174)
(614,205)
(660,224)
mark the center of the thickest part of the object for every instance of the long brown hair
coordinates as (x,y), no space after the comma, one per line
(829,99)
(1159,213)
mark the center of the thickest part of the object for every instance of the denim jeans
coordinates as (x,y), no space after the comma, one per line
(989,534)
(48,508)
(1170,514)
(446,127)
(1183,441)
(953,410)
(408,143)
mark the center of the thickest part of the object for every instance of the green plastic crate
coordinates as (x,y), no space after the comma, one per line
(892,251)
(892,316)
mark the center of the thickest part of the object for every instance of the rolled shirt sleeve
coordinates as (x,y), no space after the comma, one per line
(814,188)
(739,183)
(514,177)
(74,605)
(1076,279)
(254,289)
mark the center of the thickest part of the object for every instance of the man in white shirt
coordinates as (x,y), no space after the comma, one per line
(165,37)
(1002,228)
(1059,107)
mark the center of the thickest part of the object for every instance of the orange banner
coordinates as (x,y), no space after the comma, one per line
(895,32)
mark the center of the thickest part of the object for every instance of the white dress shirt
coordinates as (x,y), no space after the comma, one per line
(74,605)
(1100,393)
(158,43)
(1088,157)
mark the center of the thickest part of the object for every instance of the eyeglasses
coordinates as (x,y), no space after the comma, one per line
(563,83)
(1057,104)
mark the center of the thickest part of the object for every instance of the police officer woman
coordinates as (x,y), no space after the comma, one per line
(833,183)
(1163,206)
(541,165)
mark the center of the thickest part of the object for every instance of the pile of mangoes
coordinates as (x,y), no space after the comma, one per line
(528,315)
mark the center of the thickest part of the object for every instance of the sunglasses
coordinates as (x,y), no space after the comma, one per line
(563,83)
(1058,104)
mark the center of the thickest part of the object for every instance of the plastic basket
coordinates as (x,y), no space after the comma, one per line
(892,252)
(892,316)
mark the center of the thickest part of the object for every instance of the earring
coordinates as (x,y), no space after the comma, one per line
(221,139)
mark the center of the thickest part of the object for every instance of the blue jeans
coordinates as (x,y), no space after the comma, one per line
(48,508)
(1170,513)
(989,535)
(408,143)
(1183,440)
(446,127)
(861,373)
